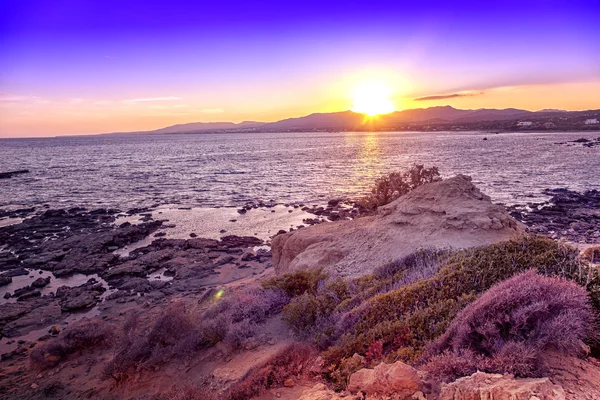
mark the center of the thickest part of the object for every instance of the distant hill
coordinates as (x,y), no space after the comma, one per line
(417,119)
(203,126)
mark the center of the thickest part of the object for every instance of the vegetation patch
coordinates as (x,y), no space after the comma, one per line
(83,335)
(390,187)
(290,362)
(397,311)
(510,325)
(179,332)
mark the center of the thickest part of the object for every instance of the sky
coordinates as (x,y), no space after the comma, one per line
(84,66)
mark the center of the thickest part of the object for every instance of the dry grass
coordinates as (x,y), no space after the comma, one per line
(83,335)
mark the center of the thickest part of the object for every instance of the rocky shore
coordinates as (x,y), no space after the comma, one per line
(59,267)
(568,215)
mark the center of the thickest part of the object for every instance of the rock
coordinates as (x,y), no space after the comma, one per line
(232,241)
(449,213)
(5,280)
(320,392)
(15,272)
(54,330)
(40,282)
(398,378)
(289,383)
(483,386)
(79,297)
(10,174)
(29,295)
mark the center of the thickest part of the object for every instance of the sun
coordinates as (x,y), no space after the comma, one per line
(372,98)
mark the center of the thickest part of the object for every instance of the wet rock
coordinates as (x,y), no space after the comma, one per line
(10,174)
(28,314)
(40,282)
(29,295)
(8,261)
(231,241)
(15,272)
(23,290)
(201,243)
(79,297)
(567,215)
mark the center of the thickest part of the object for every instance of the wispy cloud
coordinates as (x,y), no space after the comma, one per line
(11,99)
(449,96)
(212,110)
(147,99)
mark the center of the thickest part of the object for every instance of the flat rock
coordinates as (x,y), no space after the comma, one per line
(483,386)
(452,213)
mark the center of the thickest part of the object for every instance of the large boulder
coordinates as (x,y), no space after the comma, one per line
(450,213)
(397,381)
(482,386)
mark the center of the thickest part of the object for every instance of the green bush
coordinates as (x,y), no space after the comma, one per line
(427,307)
(297,283)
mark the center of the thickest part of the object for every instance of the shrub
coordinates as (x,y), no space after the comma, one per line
(427,307)
(592,254)
(290,361)
(252,304)
(82,335)
(421,264)
(389,187)
(297,283)
(172,334)
(239,333)
(340,375)
(508,327)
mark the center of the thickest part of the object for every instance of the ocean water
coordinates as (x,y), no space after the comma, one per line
(210,170)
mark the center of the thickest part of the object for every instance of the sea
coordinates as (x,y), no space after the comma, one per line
(231,169)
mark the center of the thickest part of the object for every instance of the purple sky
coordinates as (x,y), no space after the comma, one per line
(94,66)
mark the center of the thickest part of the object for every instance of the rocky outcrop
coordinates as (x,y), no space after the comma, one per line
(320,392)
(482,386)
(396,381)
(450,213)
(567,215)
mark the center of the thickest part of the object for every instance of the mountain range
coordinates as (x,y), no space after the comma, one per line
(416,118)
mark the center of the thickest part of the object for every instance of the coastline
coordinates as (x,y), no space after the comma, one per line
(145,258)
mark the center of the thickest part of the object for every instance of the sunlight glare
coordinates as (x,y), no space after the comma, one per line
(372,98)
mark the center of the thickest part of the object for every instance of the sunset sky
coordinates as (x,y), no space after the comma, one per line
(78,67)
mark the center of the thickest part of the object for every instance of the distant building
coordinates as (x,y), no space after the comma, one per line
(524,123)
(549,125)
(591,121)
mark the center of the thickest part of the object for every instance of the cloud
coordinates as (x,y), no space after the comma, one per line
(10,99)
(449,96)
(212,110)
(147,99)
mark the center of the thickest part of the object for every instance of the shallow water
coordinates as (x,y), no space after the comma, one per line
(231,169)
(19,282)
